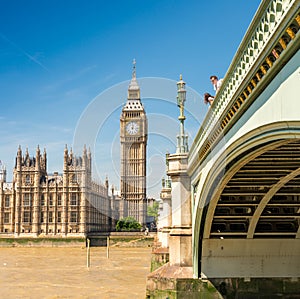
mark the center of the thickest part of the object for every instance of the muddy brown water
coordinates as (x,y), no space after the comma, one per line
(63,273)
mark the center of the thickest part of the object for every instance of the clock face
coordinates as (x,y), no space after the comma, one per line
(132,128)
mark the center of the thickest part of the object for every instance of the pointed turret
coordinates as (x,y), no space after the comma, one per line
(26,158)
(66,157)
(45,160)
(71,160)
(89,159)
(84,158)
(19,158)
(106,183)
(112,190)
(38,158)
(2,172)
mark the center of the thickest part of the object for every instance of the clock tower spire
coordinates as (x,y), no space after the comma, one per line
(133,139)
(133,89)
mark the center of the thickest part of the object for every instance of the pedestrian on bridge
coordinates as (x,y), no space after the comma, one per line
(216,82)
(208,98)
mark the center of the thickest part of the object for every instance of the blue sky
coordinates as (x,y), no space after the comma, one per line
(62,60)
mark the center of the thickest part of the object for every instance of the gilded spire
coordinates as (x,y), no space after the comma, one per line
(133,83)
(134,69)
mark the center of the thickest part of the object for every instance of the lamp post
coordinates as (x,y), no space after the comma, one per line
(182,139)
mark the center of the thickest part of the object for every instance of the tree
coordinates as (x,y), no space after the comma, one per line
(153,210)
(128,224)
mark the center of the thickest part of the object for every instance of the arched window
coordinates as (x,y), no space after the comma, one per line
(73,217)
(27,179)
(7,201)
(59,199)
(27,199)
(73,199)
(50,217)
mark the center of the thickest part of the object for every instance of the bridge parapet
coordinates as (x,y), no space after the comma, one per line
(271,39)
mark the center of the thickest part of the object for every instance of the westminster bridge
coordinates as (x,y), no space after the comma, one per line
(244,163)
(243,168)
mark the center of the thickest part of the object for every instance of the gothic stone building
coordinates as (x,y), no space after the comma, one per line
(39,204)
(133,138)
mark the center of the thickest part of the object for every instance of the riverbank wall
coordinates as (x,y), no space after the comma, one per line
(42,242)
(115,239)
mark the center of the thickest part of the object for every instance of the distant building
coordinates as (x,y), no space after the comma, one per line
(39,204)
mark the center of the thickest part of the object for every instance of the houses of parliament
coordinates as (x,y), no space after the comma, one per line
(36,203)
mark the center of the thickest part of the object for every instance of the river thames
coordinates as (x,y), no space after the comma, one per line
(30,272)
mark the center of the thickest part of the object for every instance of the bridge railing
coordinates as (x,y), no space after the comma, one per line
(274,29)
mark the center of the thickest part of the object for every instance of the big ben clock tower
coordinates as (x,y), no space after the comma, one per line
(133,138)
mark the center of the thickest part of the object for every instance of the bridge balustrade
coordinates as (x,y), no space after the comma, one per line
(270,40)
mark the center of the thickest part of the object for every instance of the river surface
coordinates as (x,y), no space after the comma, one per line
(63,272)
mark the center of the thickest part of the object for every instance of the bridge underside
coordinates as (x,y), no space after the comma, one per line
(262,199)
(251,225)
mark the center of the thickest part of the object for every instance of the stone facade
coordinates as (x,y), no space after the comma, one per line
(39,204)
